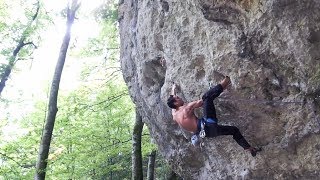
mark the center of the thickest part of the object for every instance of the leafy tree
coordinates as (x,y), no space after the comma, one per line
(94,125)
(92,135)
(19,37)
(95,134)
(52,106)
(18,156)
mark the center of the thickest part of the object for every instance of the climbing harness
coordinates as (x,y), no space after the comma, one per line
(197,138)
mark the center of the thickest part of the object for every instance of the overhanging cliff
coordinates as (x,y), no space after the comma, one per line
(271,51)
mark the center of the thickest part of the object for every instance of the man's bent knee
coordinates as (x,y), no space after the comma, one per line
(213,92)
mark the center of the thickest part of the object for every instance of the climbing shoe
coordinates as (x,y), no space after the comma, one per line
(225,82)
(254,151)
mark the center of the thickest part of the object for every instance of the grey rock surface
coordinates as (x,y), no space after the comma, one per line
(271,51)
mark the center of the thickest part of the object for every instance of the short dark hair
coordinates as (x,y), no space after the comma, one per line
(171,100)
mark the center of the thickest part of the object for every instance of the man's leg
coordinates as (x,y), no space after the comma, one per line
(237,136)
(234,131)
(209,110)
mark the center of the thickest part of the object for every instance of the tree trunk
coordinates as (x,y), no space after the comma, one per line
(151,165)
(137,170)
(52,106)
(12,59)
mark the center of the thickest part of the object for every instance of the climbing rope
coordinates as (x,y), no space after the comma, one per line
(257,101)
(262,101)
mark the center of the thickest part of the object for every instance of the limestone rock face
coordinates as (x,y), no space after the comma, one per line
(271,51)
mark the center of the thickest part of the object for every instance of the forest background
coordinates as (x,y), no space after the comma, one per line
(93,136)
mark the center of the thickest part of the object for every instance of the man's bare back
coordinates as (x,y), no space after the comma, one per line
(186,118)
(183,114)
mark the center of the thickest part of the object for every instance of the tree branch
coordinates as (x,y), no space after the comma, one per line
(12,60)
(117,96)
(12,159)
(118,142)
(4,155)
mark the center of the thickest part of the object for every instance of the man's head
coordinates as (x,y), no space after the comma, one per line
(174,102)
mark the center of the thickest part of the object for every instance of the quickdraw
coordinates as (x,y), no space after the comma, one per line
(202,133)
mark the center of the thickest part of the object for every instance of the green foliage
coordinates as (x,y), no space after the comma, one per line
(17,26)
(91,140)
(93,129)
(92,134)
(107,42)
(3,12)
(18,157)
(107,11)
(162,170)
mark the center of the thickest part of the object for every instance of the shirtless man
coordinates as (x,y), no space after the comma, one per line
(184,115)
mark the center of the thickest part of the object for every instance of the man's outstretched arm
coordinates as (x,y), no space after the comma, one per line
(173,93)
(174,89)
(195,104)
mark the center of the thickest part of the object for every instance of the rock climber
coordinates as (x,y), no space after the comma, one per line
(183,114)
